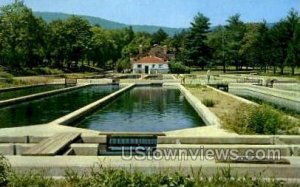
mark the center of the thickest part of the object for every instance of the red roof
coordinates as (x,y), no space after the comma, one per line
(151,59)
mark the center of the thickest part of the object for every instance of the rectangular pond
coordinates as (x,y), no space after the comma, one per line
(10,94)
(144,109)
(50,108)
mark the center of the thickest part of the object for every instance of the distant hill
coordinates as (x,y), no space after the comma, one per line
(50,16)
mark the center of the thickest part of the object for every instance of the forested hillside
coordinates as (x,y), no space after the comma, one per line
(50,16)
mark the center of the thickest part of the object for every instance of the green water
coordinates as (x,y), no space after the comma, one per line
(145,109)
(50,108)
(4,95)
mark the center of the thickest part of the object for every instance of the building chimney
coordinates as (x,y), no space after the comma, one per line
(140,49)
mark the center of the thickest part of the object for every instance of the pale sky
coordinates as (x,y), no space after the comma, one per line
(171,13)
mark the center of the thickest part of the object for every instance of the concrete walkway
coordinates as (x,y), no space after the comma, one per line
(45,130)
(212,131)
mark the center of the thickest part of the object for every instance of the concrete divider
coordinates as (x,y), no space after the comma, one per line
(289,139)
(252,140)
(230,150)
(56,166)
(13,139)
(207,116)
(20,87)
(85,149)
(288,99)
(20,148)
(7,149)
(233,96)
(65,120)
(93,139)
(37,96)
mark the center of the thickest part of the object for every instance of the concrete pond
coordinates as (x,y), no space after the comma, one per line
(87,124)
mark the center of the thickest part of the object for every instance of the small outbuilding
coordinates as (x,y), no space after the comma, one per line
(150,65)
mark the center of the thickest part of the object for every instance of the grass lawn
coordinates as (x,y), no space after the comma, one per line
(224,105)
(245,118)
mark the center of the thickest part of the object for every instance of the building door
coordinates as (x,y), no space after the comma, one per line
(146,69)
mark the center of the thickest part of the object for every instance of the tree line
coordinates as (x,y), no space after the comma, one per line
(240,44)
(29,42)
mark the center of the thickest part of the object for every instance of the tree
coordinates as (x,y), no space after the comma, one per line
(22,36)
(141,40)
(292,24)
(57,43)
(158,37)
(102,46)
(78,37)
(197,51)
(235,33)
(216,41)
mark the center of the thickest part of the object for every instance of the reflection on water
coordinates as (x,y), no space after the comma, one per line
(148,109)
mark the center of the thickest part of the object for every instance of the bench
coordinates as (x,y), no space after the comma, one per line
(53,145)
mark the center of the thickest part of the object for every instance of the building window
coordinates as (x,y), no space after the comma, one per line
(153,66)
(139,66)
(160,65)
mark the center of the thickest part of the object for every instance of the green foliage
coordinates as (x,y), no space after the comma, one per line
(123,64)
(196,50)
(100,176)
(209,102)
(159,37)
(28,42)
(30,179)
(259,120)
(48,71)
(5,75)
(120,177)
(5,169)
(178,67)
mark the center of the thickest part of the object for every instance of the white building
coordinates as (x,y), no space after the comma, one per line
(150,65)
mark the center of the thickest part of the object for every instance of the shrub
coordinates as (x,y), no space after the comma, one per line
(48,71)
(178,67)
(119,177)
(261,119)
(208,102)
(30,179)
(5,169)
(5,75)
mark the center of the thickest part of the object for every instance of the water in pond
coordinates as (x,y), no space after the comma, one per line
(145,109)
(4,95)
(50,108)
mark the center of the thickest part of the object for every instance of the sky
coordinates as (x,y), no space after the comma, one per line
(170,13)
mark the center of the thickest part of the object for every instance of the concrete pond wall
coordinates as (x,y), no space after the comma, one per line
(283,98)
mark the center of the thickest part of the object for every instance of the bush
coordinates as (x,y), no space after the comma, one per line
(209,102)
(5,75)
(30,179)
(5,169)
(262,119)
(48,71)
(120,177)
(178,67)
